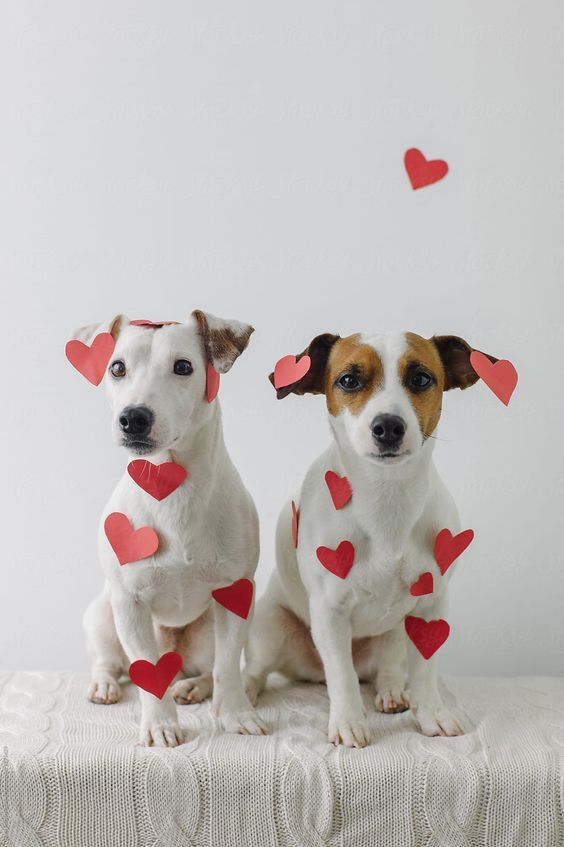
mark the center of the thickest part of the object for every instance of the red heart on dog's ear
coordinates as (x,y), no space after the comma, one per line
(449,547)
(339,561)
(339,489)
(295,524)
(424,585)
(129,545)
(157,480)
(91,361)
(427,636)
(287,370)
(212,383)
(236,598)
(153,324)
(422,171)
(500,377)
(155,678)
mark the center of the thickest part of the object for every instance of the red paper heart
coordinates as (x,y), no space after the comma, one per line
(287,370)
(153,324)
(339,489)
(236,598)
(212,383)
(295,524)
(155,678)
(129,545)
(449,547)
(339,561)
(91,361)
(500,377)
(157,480)
(422,171)
(427,636)
(424,585)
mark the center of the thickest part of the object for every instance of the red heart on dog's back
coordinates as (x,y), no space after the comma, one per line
(500,377)
(339,489)
(422,171)
(157,480)
(449,547)
(287,370)
(155,678)
(427,636)
(129,545)
(424,585)
(339,561)
(91,361)
(236,598)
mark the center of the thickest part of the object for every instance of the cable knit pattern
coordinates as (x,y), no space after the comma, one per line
(72,775)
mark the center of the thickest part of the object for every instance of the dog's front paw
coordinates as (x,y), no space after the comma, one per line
(161,733)
(437,721)
(391,700)
(241,718)
(104,691)
(349,731)
(192,690)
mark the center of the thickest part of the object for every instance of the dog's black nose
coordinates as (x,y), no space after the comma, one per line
(136,420)
(388,430)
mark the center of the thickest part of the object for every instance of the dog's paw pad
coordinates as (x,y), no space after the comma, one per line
(104,692)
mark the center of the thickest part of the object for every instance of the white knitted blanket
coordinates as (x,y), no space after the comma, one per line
(72,774)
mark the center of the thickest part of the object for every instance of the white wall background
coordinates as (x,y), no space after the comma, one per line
(247,158)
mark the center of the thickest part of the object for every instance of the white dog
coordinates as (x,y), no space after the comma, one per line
(384,395)
(208,527)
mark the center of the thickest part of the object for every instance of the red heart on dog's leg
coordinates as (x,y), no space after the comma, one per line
(339,489)
(91,361)
(236,598)
(422,171)
(339,561)
(129,545)
(424,585)
(212,383)
(427,636)
(500,377)
(295,524)
(157,480)
(155,678)
(287,370)
(449,547)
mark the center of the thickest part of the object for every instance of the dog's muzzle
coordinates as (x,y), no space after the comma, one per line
(136,423)
(388,432)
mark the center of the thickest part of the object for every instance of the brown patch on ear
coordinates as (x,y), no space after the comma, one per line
(455,357)
(350,354)
(314,380)
(224,340)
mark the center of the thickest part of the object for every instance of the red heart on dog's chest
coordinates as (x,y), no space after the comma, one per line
(449,547)
(422,171)
(157,480)
(339,561)
(129,545)
(287,370)
(339,489)
(155,678)
(500,377)
(91,361)
(427,636)
(236,598)
(424,585)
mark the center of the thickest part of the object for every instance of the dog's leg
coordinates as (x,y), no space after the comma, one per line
(264,643)
(195,643)
(391,664)
(108,659)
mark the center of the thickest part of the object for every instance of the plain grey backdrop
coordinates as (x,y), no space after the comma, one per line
(247,158)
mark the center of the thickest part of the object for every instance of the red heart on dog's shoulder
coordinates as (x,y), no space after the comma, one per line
(427,636)
(236,598)
(91,361)
(157,480)
(449,547)
(212,383)
(422,171)
(295,524)
(500,377)
(153,324)
(155,678)
(129,545)
(339,489)
(287,370)
(339,561)
(424,585)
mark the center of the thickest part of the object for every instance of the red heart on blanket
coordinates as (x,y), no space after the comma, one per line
(155,678)
(153,324)
(91,361)
(500,377)
(212,383)
(129,545)
(449,547)
(424,585)
(339,489)
(422,171)
(287,370)
(157,480)
(236,598)
(339,561)
(295,524)
(427,636)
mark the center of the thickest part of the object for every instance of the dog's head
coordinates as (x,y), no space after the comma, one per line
(156,377)
(384,391)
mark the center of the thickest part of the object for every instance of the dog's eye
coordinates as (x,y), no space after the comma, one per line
(183,367)
(349,382)
(117,369)
(420,380)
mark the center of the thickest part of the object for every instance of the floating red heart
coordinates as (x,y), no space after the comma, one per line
(287,370)
(155,678)
(295,524)
(339,489)
(212,383)
(236,598)
(424,585)
(427,636)
(91,361)
(422,171)
(153,324)
(449,547)
(157,480)
(500,377)
(339,561)
(129,545)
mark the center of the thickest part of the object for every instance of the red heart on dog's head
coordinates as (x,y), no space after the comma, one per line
(236,598)
(155,678)
(287,370)
(424,585)
(129,545)
(339,489)
(422,171)
(449,547)
(500,377)
(295,524)
(157,480)
(427,636)
(339,561)
(91,361)
(212,383)
(153,324)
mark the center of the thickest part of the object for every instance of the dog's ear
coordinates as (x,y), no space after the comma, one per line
(87,334)
(455,356)
(313,382)
(224,340)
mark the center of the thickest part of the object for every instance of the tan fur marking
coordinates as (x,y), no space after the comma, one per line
(427,404)
(351,353)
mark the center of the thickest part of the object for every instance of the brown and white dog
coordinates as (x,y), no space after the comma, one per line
(384,395)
